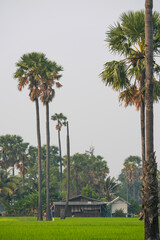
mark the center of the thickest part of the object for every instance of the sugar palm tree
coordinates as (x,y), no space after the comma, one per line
(150,185)
(127,38)
(61,121)
(47,93)
(23,160)
(110,187)
(30,71)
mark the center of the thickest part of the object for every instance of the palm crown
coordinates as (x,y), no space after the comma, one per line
(127,39)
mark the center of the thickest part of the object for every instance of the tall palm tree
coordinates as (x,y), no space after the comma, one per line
(61,121)
(127,38)
(150,190)
(47,93)
(30,71)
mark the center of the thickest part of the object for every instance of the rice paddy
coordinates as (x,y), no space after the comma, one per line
(28,228)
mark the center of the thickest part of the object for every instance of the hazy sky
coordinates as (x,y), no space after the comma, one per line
(72,33)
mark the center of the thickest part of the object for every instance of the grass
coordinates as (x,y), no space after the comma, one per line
(27,228)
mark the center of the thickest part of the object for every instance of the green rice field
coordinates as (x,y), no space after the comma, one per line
(27,228)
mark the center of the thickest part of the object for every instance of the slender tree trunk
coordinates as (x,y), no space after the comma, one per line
(23,171)
(13,170)
(142,119)
(77,186)
(40,215)
(134,191)
(60,155)
(127,191)
(68,172)
(150,188)
(48,214)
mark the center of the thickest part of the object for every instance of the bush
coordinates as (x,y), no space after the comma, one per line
(119,213)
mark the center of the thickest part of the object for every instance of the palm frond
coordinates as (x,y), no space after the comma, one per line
(115,75)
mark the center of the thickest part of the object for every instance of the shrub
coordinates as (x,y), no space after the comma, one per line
(119,213)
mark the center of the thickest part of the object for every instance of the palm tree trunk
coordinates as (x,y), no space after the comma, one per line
(68,171)
(150,187)
(77,186)
(142,119)
(23,171)
(48,214)
(127,191)
(60,155)
(134,191)
(40,216)
(13,170)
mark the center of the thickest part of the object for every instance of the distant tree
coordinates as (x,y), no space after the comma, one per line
(86,168)
(10,150)
(23,160)
(132,166)
(130,179)
(88,192)
(133,207)
(8,187)
(61,121)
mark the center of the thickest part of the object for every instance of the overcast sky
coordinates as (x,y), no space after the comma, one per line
(72,33)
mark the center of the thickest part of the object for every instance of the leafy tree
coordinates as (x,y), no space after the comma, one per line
(132,166)
(10,146)
(130,179)
(86,169)
(88,192)
(61,121)
(133,207)
(8,187)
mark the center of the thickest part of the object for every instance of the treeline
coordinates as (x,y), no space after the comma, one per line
(89,176)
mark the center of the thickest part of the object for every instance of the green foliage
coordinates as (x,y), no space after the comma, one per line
(61,120)
(88,192)
(134,207)
(127,39)
(130,179)
(39,74)
(86,169)
(119,213)
(110,188)
(19,195)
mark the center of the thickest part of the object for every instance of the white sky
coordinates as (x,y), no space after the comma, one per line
(72,33)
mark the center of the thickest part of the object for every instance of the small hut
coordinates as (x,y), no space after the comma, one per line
(81,206)
(117,204)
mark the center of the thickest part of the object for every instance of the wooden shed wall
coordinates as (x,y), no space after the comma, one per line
(79,211)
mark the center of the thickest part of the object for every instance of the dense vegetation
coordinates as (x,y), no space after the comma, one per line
(89,177)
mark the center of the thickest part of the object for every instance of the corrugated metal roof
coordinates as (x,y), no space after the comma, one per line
(89,203)
(116,199)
